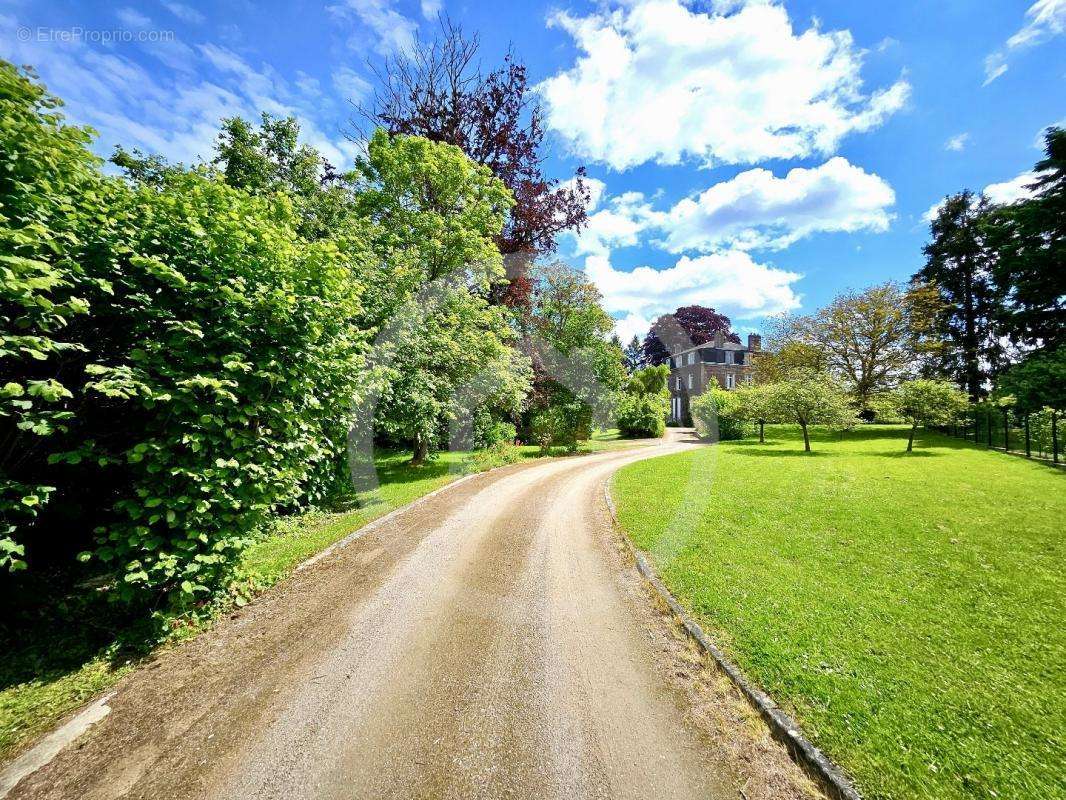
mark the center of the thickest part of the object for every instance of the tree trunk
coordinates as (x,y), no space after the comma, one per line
(762,439)
(421,451)
(806,438)
(910,439)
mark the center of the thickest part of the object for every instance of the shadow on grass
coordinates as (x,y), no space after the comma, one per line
(59,636)
(761,451)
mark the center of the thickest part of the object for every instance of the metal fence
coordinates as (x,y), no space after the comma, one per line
(1035,435)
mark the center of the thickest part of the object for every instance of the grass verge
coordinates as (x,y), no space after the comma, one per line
(907,608)
(80,645)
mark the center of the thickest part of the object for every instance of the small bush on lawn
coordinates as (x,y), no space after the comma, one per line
(562,424)
(720,414)
(643,406)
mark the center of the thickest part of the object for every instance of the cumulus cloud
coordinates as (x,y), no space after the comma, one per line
(957,143)
(618,224)
(658,81)
(730,280)
(173,113)
(753,210)
(1044,20)
(1003,193)
(1015,189)
(758,210)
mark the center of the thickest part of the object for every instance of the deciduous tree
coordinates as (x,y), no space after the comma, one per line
(439,92)
(927,402)
(806,399)
(686,327)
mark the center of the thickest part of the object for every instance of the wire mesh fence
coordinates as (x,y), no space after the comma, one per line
(1035,435)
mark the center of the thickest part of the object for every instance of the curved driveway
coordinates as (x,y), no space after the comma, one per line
(486,643)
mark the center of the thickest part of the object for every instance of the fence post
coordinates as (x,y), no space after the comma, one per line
(1028,450)
(988,422)
(976,425)
(1006,431)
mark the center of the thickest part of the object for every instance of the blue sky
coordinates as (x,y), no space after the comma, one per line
(754,156)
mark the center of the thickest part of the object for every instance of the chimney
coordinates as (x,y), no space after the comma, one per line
(754,342)
(719,339)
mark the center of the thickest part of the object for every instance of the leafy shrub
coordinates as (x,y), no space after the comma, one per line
(644,404)
(223,367)
(177,361)
(50,190)
(720,414)
(489,431)
(641,415)
(562,425)
(496,455)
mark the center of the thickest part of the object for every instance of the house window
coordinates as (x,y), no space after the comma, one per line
(730,381)
(729,356)
(689,384)
(679,383)
(691,358)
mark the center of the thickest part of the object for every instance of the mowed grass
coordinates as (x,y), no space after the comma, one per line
(908,608)
(79,647)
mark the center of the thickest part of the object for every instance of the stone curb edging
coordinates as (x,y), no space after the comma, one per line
(782,726)
(51,744)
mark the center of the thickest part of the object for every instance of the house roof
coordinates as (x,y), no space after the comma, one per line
(727,345)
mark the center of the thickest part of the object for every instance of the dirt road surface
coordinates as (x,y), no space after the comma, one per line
(491,642)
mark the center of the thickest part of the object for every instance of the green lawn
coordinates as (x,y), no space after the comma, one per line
(78,647)
(908,609)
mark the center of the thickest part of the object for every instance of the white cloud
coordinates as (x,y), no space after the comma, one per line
(176,113)
(351,84)
(184,12)
(730,281)
(431,8)
(1010,191)
(1044,20)
(393,33)
(619,224)
(657,81)
(753,210)
(1003,193)
(957,143)
(132,18)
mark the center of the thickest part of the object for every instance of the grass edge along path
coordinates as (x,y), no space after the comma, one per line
(905,609)
(61,670)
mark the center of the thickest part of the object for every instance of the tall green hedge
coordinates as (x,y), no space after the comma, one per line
(178,362)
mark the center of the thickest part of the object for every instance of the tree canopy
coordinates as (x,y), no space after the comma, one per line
(686,327)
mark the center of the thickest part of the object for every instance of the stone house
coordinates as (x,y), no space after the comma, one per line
(692,370)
